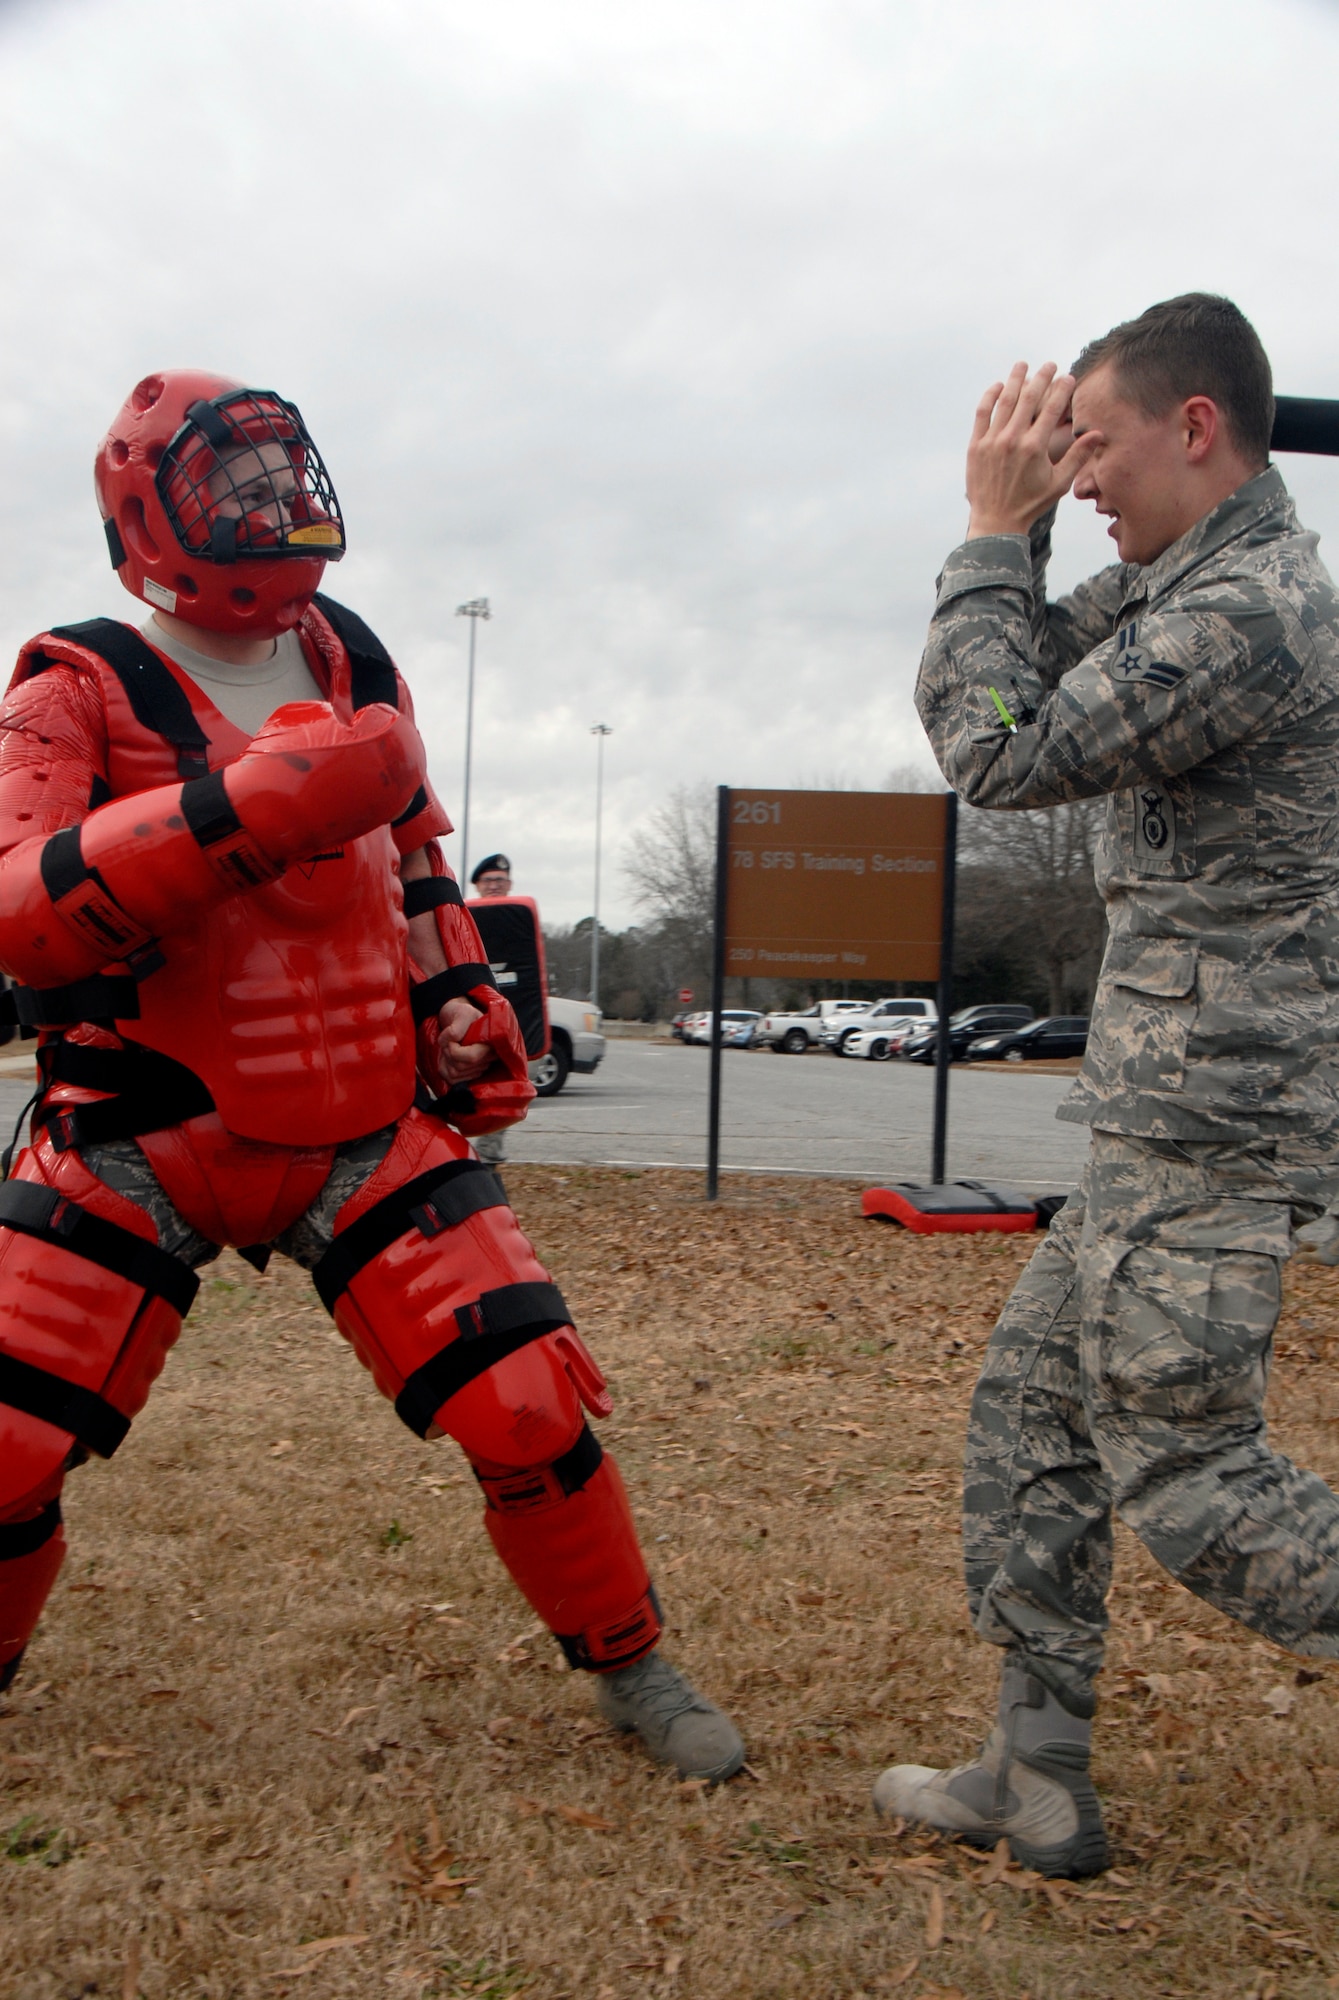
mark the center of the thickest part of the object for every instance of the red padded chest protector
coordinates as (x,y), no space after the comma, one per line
(289,1001)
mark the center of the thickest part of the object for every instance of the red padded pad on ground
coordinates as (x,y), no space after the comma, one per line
(957,1206)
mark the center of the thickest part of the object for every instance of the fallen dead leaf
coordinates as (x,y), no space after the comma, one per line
(997,1867)
(908,1971)
(934,1920)
(1280,1701)
(578,1816)
(109,1750)
(343,1942)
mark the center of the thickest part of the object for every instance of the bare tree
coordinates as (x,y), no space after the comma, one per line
(672,861)
(1027,902)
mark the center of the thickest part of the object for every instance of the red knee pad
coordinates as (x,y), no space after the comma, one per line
(31,1553)
(446,1303)
(576,1560)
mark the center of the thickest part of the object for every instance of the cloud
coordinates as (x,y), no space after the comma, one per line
(662,328)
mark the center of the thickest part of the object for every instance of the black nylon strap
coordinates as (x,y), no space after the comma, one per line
(24,1538)
(212,424)
(153,1092)
(496,1325)
(413,809)
(451,1192)
(62,863)
(207,810)
(33,1210)
(156,696)
(54,1401)
(430,892)
(456,983)
(371,668)
(101,998)
(580,1464)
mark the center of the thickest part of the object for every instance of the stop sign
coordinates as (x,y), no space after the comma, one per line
(685,994)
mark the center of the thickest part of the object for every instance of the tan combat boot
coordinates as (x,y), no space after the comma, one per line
(1029,1783)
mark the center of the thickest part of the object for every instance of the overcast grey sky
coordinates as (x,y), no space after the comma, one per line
(661,327)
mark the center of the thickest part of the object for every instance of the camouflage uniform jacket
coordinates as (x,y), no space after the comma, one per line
(1201,693)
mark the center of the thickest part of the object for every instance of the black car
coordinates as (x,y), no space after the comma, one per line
(1058,1035)
(963,1028)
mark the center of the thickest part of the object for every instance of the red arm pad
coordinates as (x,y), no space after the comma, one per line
(134,868)
(503,1094)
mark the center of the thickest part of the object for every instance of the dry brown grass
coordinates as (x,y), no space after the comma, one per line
(287,1728)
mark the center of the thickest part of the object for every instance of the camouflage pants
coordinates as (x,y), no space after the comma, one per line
(1127,1374)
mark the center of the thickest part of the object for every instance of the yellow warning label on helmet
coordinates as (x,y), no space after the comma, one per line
(323,533)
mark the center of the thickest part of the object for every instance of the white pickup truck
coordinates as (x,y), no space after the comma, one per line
(793,1034)
(575,1043)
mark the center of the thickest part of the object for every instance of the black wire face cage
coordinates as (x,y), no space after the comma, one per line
(242,478)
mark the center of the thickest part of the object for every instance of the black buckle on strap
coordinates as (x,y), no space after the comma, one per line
(440,1198)
(456,983)
(208,811)
(104,997)
(24,1538)
(51,1399)
(430,892)
(34,1210)
(153,1092)
(495,1325)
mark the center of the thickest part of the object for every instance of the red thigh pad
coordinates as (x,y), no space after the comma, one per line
(79,1339)
(457,1274)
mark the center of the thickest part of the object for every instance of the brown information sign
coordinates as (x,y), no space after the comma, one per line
(835,885)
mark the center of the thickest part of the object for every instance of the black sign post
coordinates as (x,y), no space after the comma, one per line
(943,1043)
(718,989)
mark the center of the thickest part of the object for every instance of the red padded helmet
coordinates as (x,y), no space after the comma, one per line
(216,503)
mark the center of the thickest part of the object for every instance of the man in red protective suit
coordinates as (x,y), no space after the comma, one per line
(265,1019)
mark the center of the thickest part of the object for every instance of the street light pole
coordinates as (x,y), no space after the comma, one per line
(599,730)
(476,609)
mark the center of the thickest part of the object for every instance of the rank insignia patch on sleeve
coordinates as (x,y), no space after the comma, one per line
(1133,663)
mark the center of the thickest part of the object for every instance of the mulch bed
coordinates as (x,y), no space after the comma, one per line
(286,1727)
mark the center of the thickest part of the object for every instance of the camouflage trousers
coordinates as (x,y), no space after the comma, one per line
(1127,1375)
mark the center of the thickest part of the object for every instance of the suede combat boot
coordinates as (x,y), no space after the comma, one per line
(1029,1783)
(677,1725)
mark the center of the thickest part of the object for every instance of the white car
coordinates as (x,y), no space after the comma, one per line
(737,1027)
(839,1028)
(793,1034)
(881,1040)
(575,1043)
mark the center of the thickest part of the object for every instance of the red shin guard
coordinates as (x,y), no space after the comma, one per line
(31,1553)
(576,1561)
(444,1300)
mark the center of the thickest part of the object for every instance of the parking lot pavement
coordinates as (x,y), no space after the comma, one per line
(646,1105)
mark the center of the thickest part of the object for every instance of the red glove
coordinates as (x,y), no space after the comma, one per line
(502,1095)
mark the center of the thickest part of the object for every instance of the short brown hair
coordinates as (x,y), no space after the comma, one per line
(1197,345)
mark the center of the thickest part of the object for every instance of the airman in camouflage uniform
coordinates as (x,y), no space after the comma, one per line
(1200,693)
